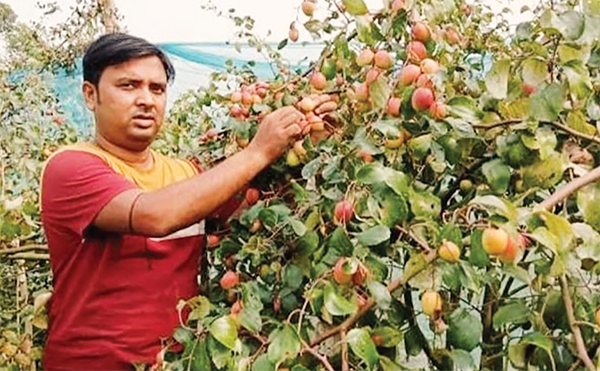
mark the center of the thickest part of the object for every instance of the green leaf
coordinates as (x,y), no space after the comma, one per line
(547,103)
(380,92)
(559,226)
(374,236)
(200,306)
(419,147)
(545,173)
(477,255)
(497,175)
(388,337)
(298,227)
(588,202)
(496,81)
(397,181)
(590,248)
(463,361)
(224,330)
(183,336)
(388,128)
(292,277)
(387,364)
(284,344)
(516,313)
(571,24)
(578,77)
(355,7)
(282,44)
(425,204)
(534,71)
(544,140)
(219,353)
(539,340)
(367,31)
(308,243)
(363,142)
(335,303)
(262,363)
(372,173)
(591,7)
(340,242)
(312,168)
(380,294)
(573,53)
(250,320)
(457,336)
(517,272)
(313,25)
(416,264)
(543,236)
(362,345)
(200,359)
(412,341)
(495,205)
(577,121)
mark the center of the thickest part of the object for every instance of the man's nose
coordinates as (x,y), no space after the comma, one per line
(144,97)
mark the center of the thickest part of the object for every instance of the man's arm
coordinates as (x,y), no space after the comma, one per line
(162,212)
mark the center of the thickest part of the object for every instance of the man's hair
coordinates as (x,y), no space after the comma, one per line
(116,48)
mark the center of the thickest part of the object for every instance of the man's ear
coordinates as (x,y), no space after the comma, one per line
(90,95)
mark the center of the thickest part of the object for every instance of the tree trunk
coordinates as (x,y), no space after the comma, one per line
(491,356)
(109,15)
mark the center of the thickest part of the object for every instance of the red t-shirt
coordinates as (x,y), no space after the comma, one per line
(115,295)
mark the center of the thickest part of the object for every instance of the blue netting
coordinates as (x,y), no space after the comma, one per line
(194,64)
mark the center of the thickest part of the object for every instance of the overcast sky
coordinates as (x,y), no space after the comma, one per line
(185,21)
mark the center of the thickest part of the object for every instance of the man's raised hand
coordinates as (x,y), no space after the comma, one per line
(276,132)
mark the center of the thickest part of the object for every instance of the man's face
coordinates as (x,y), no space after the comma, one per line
(129,102)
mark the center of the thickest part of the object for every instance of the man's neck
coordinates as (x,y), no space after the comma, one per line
(140,159)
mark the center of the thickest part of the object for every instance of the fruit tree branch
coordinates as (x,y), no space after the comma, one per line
(319,356)
(345,366)
(563,127)
(23,249)
(571,187)
(496,124)
(581,350)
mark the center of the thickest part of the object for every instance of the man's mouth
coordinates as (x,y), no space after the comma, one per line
(144,120)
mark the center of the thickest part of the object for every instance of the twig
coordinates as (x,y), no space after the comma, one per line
(318,356)
(345,365)
(422,244)
(581,350)
(571,187)
(496,124)
(23,248)
(592,138)
(29,256)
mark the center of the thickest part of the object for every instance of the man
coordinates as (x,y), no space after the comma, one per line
(123,223)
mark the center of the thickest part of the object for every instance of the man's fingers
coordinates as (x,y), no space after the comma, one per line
(326,107)
(293,131)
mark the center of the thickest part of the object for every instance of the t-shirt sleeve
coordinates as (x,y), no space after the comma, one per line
(75,187)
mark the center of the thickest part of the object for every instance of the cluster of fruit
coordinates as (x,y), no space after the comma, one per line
(248,95)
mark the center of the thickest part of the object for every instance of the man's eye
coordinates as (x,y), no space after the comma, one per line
(127,85)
